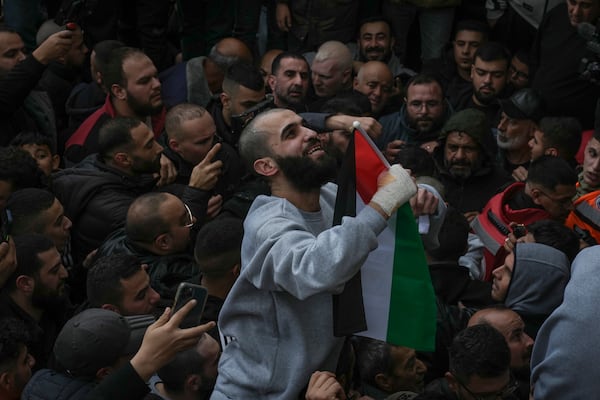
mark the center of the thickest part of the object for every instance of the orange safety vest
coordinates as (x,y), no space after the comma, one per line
(585,217)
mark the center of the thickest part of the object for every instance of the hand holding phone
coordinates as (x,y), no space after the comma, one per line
(186,292)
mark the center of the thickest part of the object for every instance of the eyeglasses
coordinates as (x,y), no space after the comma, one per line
(190,217)
(417,105)
(506,391)
(518,74)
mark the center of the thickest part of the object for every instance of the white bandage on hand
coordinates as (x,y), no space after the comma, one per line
(396,187)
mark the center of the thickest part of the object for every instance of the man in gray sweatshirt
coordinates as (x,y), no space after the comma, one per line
(276,324)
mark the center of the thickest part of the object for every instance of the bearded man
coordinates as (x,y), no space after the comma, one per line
(35,293)
(131,81)
(465,162)
(277,321)
(418,121)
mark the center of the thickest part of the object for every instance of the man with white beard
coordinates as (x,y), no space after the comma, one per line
(519,117)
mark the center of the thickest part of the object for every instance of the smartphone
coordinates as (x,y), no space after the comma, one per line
(186,292)
(6,224)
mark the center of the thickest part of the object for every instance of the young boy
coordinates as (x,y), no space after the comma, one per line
(41,149)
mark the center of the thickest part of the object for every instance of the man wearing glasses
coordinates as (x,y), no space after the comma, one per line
(418,121)
(158,231)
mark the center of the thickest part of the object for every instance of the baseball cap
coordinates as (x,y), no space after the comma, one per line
(96,338)
(524,104)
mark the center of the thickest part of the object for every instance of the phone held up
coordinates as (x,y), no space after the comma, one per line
(186,292)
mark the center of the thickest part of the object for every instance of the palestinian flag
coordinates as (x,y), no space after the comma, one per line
(391,298)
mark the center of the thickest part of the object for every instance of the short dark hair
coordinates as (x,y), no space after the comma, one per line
(372,357)
(104,278)
(286,54)
(452,237)
(113,71)
(218,245)
(29,137)
(564,133)
(28,247)
(557,235)
(14,334)
(374,19)
(26,205)
(425,79)
(103,52)
(549,172)
(474,26)
(243,74)
(523,56)
(115,134)
(253,141)
(19,168)
(152,223)
(492,51)
(478,350)
(353,103)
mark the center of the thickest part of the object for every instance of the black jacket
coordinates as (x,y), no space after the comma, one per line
(166,272)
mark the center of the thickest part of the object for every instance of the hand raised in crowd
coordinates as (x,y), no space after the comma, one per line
(163,339)
(283,17)
(168,172)
(395,187)
(324,386)
(8,260)
(206,174)
(214,206)
(470,215)
(392,150)
(424,202)
(519,174)
(346,122)
(55,47)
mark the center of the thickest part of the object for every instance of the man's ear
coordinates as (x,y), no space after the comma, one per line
(118,91)
(5,381)
(383,382)
(103,373)
(122,159)
(355,85)
(225,100)
(111,307)
(347,75)
(163,242)
(193,382)
(535,195)
(551,151)
(266,166)
(55,162)
(472,71)
(25,283)
(236,270)
(174,145)
(452,382)
(271,82)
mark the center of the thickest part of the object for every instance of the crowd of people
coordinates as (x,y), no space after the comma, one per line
(145,144)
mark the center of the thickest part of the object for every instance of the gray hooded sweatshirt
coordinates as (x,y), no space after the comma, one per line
(538,281)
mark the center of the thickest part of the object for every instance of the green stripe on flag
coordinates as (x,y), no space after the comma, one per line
(412,317)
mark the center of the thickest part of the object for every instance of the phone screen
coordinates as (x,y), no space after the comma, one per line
(186,292)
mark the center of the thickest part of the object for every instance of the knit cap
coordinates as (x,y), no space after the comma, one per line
(470,121)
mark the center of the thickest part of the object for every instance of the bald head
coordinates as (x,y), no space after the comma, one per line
(229,51)
(266,62)
(332,69)
(512,327)
(374,80)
